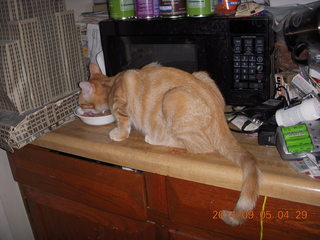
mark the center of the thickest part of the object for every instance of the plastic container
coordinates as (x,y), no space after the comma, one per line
(172,8)
(224,7)
(199,8)
(147,8)
(308,110)
(121,9)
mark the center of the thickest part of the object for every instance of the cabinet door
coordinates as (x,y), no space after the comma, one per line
(200,205)
(58,218)
(99,186)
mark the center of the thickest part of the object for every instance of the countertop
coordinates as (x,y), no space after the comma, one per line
(279,179)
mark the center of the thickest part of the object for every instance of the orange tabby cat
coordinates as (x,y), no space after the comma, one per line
(177,109)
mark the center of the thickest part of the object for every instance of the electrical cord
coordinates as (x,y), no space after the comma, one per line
(288,100)
(262,215)
(242,130)
(258,115)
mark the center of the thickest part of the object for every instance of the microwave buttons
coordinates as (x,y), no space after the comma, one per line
(241,85)
(260,68)
(259,42)
(236,70)
(252,70)
(259,49)
(237,41)
(244,70)
(252,77)
(237,49)
(244,77)
(248,61)
(259,59)
(244,64)
(256,85)
(248,49)
(236,64)
(252,58)
(248,42)
(236,58)
(259,77)
(252,64)
(244,58)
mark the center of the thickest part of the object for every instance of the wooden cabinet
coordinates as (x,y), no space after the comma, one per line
(73,198)
(69,197)
(200,206)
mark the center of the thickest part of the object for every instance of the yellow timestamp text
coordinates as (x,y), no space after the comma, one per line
(279,214)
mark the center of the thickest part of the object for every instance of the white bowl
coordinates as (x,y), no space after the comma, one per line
(95,121)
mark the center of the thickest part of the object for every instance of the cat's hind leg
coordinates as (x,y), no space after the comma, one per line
(188,117)
(167,141)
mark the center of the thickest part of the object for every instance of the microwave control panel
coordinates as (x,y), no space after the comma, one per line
(252,59)
(248,62)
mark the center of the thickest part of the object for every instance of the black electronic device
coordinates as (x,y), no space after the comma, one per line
(236,52)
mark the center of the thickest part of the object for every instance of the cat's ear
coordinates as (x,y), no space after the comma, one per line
(87,88)
(94,69)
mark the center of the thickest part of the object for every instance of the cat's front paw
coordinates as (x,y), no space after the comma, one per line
(117,135)
(147,139)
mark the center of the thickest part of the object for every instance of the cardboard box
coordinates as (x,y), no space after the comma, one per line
(17,130)
(41,64)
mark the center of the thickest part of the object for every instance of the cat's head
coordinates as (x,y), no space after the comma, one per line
(94,93)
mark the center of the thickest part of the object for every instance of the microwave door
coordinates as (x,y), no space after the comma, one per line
(135,52)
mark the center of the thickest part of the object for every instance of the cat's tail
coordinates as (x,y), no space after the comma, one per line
(232,150)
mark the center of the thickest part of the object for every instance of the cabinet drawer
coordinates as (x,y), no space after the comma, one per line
(96,185)
(56,218)
(198,205)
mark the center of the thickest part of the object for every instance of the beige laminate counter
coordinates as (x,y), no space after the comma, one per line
(279,179)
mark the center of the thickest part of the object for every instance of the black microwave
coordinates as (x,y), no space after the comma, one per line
(236,52)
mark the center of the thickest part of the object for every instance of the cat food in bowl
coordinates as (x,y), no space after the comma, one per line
(91,117)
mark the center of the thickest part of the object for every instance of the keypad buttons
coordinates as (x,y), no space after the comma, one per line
(259,76)
(248,62)
(252,70)
(237,64)
(237,49)
(252,77)
(256,85)
(259,49)
(252,64)
(244,64)
(248,42)
(259,42)
(244,70)
(241,85)
(244,58)
(244,77)
(259,68)
(237,41)
(236,57)
(259,59)
(252,58)
(248,49)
